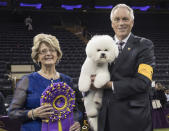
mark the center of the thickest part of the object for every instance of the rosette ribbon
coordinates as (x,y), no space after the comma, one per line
(61,96)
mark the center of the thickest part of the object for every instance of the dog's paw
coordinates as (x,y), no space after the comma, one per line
(84,84)
(84,87)
(93,123)
(90,106)
(98,83)
(98,99)
(101,80)
(92,112)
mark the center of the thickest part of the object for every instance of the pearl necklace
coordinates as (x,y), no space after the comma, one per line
(51,79)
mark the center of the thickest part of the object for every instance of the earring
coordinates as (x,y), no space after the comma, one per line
(57,62)
(39,64)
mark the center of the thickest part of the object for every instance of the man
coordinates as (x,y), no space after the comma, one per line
(126,104)
(28,23)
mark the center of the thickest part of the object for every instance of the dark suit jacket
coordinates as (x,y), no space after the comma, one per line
(127,108)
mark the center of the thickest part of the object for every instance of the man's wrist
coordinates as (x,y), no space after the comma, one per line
(108,85)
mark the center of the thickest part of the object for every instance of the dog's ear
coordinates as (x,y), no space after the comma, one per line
(89,52)
(116,50)
(89,48)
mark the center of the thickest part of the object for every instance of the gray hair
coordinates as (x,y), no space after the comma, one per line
(122,6)
(46,38)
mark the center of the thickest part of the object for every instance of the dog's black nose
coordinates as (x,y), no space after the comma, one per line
(102,55)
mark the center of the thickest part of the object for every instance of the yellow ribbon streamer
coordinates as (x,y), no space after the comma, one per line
(59,125)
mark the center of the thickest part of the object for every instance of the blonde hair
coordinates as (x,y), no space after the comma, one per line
(122,6)
(46,38)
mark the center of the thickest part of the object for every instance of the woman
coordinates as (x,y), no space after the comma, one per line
(25,105)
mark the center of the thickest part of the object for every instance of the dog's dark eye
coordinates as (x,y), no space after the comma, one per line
(98,50)
(106,50)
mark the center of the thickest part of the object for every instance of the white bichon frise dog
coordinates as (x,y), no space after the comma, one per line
(100,51)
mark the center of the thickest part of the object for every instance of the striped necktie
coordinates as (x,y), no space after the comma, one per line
(120,46)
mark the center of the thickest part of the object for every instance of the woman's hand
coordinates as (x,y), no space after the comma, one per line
(75,127)
(42,112)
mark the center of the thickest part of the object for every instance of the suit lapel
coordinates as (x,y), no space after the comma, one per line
(125,52)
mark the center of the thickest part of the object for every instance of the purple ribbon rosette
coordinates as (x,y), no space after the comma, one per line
(61,96)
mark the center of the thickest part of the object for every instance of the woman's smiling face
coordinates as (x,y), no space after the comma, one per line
(47,55)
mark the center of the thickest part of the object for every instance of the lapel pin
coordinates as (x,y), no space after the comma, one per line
(129,49)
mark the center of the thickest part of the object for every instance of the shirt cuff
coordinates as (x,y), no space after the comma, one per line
(112,86)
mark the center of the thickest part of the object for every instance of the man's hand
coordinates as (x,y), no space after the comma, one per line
(92,77)
(75,127)
(108,85)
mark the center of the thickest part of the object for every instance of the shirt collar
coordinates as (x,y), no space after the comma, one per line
(124,40)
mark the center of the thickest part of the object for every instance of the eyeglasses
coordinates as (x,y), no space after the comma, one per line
(45,51)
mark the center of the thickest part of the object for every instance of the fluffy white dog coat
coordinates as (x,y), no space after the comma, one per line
(100,51)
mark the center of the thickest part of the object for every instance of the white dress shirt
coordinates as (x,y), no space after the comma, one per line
(118,41)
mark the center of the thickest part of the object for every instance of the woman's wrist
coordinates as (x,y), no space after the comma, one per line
(31,114)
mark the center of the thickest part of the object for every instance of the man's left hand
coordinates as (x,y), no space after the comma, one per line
(75,127)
